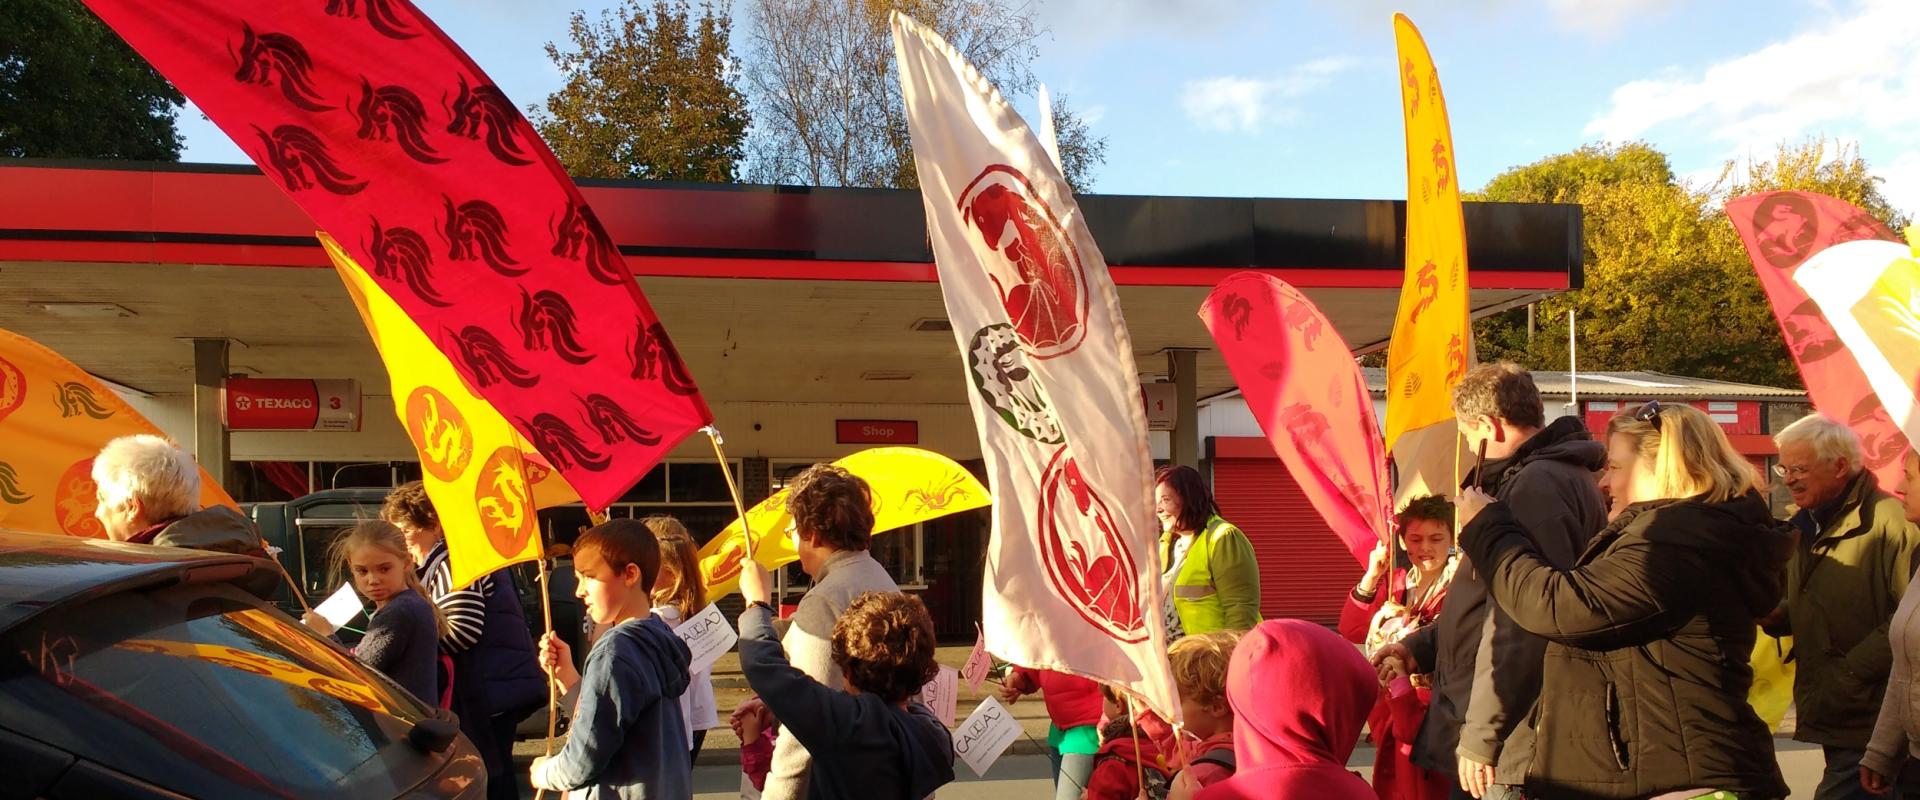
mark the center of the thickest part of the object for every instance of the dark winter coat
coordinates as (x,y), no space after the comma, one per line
(1646,677)
(1481,698)
(1843,584)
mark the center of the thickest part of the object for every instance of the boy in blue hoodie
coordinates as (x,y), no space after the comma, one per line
(628,740)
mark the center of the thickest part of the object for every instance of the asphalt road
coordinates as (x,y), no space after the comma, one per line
(1019,776)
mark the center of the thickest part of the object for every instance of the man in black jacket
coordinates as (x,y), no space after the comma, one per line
(1486,669)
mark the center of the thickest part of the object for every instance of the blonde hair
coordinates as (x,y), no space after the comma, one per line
(1200,663)
(164,477)
(1690,454)
(386,536)
(686,592)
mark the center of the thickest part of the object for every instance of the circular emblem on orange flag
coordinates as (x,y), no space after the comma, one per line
(505,502)
(74,499)
(440,433)
(13,388)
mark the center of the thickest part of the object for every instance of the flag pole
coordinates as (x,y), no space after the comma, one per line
(291,584)
(553,686)
(726,469)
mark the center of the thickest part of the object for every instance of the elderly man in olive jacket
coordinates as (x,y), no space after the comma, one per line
(1853,561)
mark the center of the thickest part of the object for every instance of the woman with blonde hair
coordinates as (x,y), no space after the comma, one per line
(1645,685)
(678,594)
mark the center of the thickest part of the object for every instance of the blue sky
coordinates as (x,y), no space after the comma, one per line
(1299,99)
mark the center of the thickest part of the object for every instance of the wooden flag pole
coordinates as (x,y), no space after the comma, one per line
(291,583)
(553,686)
(726,469)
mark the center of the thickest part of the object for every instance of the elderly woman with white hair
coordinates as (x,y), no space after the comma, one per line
(149,493)
(1848,572)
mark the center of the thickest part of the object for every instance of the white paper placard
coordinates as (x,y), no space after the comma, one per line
(987,733)
(708,635)
(340,607)
(747,792)
(978,663)
(942,694)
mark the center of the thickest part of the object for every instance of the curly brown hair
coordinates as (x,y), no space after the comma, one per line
(408,506)
(1503,390)
(884,645)
(833,505)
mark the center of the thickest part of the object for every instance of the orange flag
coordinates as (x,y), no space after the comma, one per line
(54,418)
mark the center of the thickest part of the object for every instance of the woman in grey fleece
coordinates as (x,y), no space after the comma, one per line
(833,525)
(870,741)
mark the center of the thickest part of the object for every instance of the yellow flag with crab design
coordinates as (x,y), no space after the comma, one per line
(485,481)
(909,486)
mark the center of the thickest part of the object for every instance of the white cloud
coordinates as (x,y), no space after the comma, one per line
(1602,17)
(1853,76)
(1080,25)
(1857,68)
(1902,188)
(1093,114)
(1237,103)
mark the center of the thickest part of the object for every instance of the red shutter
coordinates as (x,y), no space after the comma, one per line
(1305,572)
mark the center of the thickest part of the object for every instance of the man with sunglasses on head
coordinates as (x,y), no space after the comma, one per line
(1485,668)
(1852,563)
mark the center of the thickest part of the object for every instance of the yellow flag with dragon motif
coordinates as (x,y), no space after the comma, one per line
(54,418)
(1432,342)
(484,480)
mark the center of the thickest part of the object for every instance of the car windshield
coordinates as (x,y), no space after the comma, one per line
(201,690)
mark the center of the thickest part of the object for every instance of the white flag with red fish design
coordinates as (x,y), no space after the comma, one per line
(1073,576)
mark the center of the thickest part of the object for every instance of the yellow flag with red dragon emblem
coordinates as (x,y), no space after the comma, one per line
(1432,342)
(484,480)
(54,418)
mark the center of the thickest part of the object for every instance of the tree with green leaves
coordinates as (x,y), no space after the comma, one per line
(650,93)
(826,94)
(1669,286)
(71,88)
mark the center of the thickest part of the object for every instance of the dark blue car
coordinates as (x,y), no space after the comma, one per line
(132,671)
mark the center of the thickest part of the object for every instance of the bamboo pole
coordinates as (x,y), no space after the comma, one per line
(553,686)
(726,469)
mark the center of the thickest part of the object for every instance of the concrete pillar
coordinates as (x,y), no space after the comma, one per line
(1183,367)
(211,442)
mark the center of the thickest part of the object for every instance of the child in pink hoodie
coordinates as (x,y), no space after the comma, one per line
(1299,695)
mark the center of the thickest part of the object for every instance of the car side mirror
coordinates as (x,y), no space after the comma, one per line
(433,735)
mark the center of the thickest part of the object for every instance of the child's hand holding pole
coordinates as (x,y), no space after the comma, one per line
(556,657)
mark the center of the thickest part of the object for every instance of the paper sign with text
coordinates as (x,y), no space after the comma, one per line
(942,694)
(340,607)
(709,636)
(978,664)
(987,733)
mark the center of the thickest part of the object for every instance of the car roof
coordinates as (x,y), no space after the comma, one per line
(39,572)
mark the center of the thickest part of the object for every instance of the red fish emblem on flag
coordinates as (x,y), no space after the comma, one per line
(1087,560)
(1037,275)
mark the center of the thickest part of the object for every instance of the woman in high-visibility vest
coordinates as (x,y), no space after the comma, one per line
(1211,580)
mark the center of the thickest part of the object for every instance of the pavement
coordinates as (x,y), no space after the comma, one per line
(1023,772)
